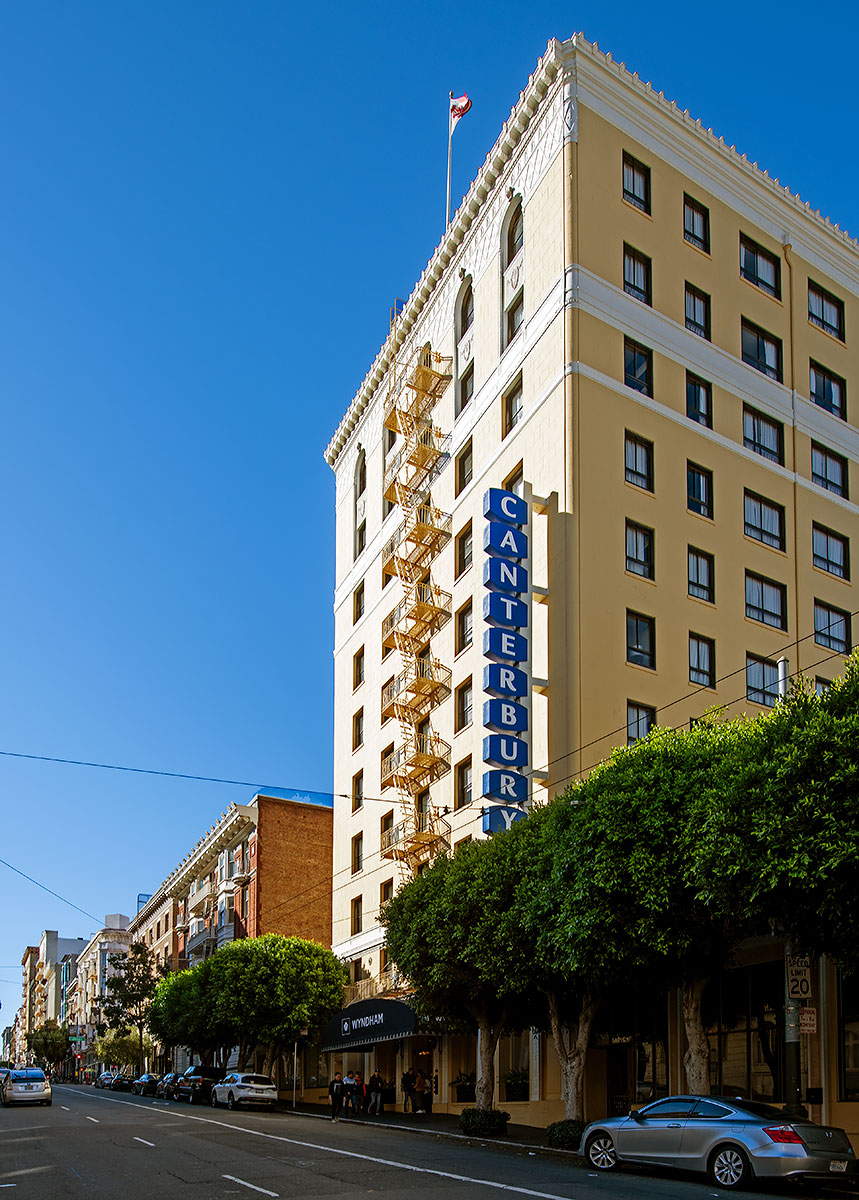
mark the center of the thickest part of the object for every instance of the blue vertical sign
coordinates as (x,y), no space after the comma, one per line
(505,646)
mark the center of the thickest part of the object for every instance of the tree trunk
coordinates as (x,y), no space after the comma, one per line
(484,1091)
(244,1054)
(696,1060)
(268,1062)
(571,1046)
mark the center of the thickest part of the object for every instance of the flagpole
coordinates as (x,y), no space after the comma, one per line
(449,142)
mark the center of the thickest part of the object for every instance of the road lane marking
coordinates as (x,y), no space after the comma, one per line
(94,1120)
(252,1186)
(63,1107)
(383,1162)
(145,1143)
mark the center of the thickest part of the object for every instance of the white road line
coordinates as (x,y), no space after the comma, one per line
(94,1120)
(252,1186)
(145,1143)
(63,1107)
(383,1162)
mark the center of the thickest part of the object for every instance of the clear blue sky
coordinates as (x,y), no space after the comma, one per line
(207,209)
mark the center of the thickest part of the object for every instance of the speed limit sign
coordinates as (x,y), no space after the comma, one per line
(798,977)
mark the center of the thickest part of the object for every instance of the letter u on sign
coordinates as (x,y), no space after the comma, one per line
(500,750)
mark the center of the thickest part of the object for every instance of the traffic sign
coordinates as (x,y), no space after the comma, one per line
(798,976)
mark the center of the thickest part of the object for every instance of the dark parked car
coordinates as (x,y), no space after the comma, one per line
(144,1085)
(104,1080)
(166,1086)
(195,1085)
(120,1083)
(734,1141)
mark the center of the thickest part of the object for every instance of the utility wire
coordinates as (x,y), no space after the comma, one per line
(45,888)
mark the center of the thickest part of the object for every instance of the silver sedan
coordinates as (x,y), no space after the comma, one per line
(26,1085)
(734,1141)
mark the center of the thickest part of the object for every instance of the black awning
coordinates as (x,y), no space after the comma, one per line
(364,1024)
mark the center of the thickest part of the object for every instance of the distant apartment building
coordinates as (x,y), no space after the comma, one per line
(602,473)
(86,991)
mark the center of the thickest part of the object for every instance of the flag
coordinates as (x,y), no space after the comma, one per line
(459,106)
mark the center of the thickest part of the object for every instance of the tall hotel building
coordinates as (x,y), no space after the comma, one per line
(649,340)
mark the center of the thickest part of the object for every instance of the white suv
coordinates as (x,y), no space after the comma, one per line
(238,1089)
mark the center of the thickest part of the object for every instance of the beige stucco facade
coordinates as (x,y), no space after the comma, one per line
(778,465)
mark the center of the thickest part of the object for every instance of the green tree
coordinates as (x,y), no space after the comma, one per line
(180,1012)
(120,1049)
(49,1043)
(129,992)
(452,931)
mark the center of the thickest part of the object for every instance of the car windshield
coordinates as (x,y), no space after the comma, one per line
(257,1079)
(28,1074)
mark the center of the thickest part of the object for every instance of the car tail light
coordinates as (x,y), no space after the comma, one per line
(783,1133)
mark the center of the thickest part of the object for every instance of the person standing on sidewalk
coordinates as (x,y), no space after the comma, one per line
(407,1083)
(335,1096)
(375,1087)
(420,1088)
(350,1095)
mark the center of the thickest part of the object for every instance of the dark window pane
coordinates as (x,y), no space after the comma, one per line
(639,462)
(637,367)
(699,401)
(701,575)
(699,490)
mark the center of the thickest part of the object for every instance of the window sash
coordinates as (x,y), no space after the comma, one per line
(636,275)
(827,390)
(699,401)
(830,551)
(699,491)
(765,601)
(640,640)
(831,628)
(761,351)
(640,719)
(700,575)
(826,311)
(696,224)
(636,183)
(760,268)
(764,521)
(762,435)
(639,550)
(697,312)
(761,681)
(828,470)
(637,369)
(639,462)
(702,665)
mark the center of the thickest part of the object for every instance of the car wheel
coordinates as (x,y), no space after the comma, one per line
(729,1167)
(214,1099)
(49,1103)
(231,1101)
(600,1152)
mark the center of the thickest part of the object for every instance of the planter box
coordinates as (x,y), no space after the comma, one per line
(464,1093)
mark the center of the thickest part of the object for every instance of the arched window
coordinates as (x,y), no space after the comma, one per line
(466,310)
(359,503)
(464,346)
(512,273)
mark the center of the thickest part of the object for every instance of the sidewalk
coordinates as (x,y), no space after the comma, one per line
(442,1124)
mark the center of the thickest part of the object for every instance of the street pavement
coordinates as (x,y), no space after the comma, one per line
(92,1145)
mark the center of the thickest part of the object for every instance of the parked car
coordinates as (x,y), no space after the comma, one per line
(195,1084)
(120,1083)
(166,1085)
(238,1088)
(734,1141)
(26,1085)
(103,1080)
(144,1085)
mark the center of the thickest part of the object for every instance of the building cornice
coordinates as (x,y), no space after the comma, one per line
(602,82)
(207,849)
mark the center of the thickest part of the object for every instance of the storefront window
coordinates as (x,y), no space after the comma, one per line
(744,1018)
(316,1067)
(515,1062)
(848,1037)
(634,1038)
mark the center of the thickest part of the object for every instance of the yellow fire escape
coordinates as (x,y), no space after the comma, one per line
(422,756)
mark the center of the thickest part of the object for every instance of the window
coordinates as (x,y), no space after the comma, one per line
(763,435)
(361,538)
(821,685)
(637,367)
(515,482)
(827,390)
(386,765)
(636,183)
(357,791)
(699,490)
(697,311)
(464,550)
(699,400)
(515,234)
(358,729)
(766,601)
(636,275)
(512,408)
(464,467)
(464,695)
(358,669)
(514,317)
(389,439)
(386,824)
(761,680)
(702,574)
(702,660)
(358,602)
(357,914)
(761,350)
(825,310)
(696,224)
(466,311)
(829,470)
(463,794)
(760,267)
(466,386)
(640,719)
(831,551)
(639,550)
(640,640)
(386,892)
(764,521)
(464,627)
(639,461)
(357,853)
(831,627)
